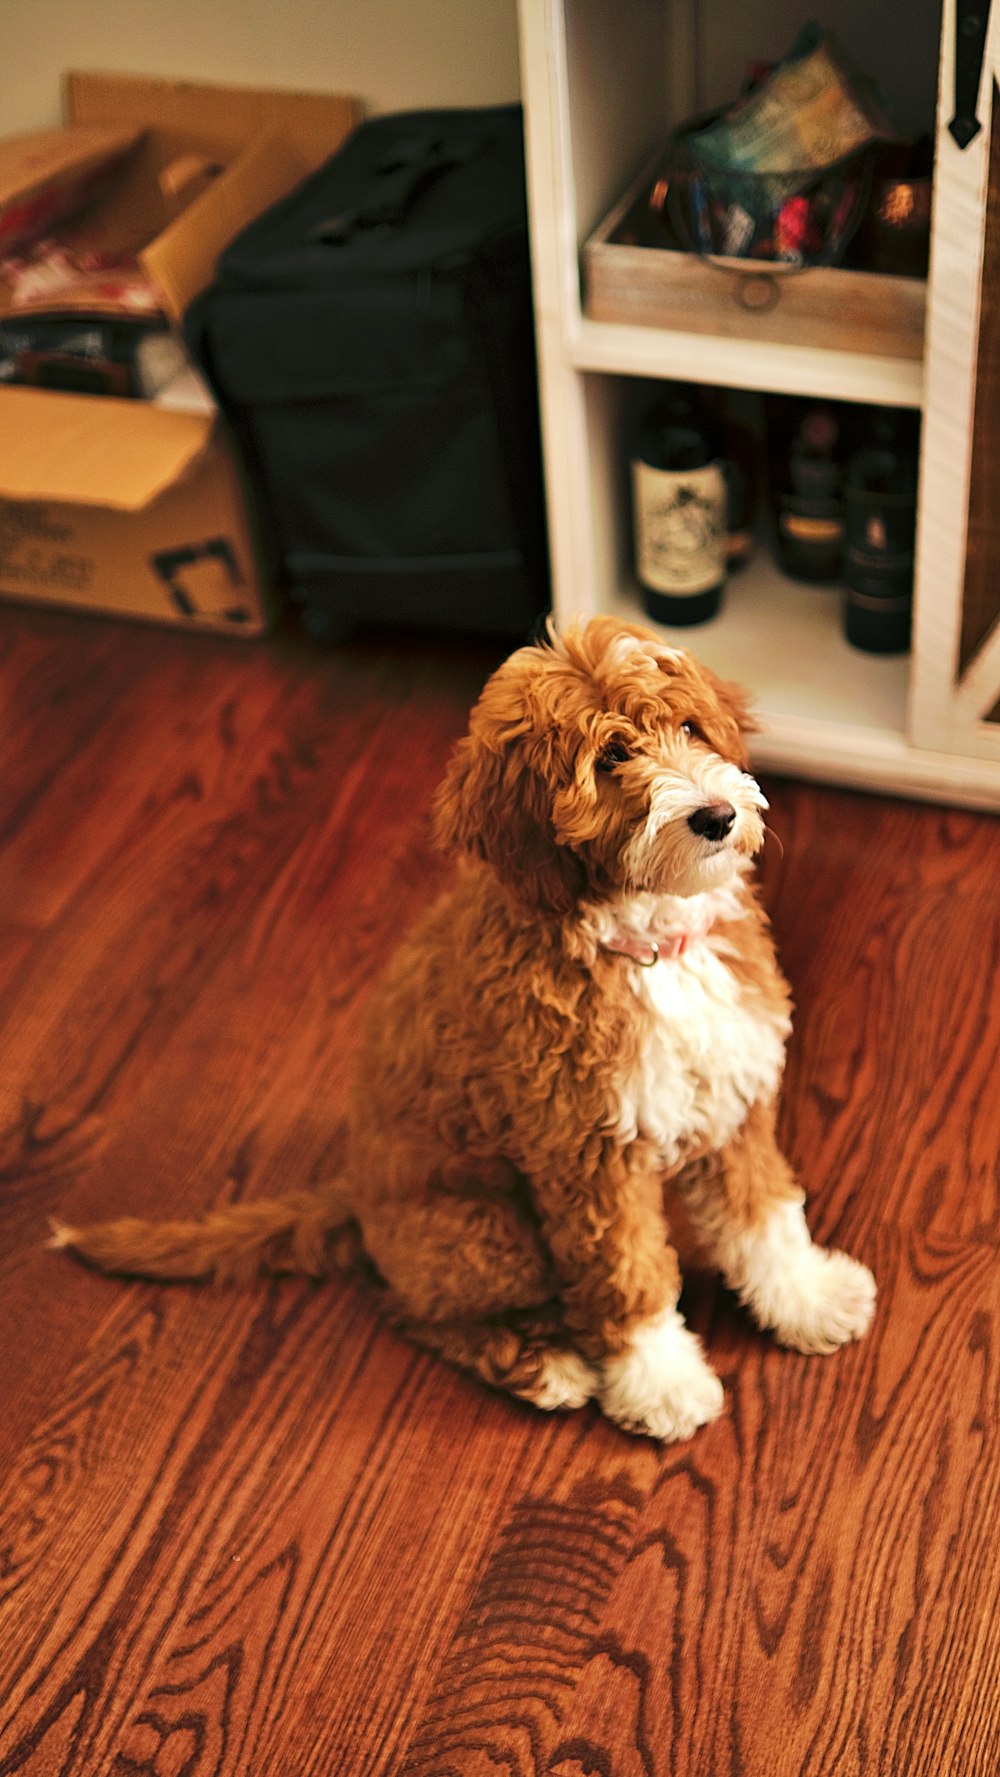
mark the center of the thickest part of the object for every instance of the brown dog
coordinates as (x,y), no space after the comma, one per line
(587,1028)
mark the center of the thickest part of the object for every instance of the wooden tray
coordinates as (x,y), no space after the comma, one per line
(853,311)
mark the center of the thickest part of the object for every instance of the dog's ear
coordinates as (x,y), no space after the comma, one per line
(495,805)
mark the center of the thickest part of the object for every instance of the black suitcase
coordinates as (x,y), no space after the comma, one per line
(371,341)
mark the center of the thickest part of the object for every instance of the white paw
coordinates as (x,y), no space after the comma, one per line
(811,1299)
(827,1300)
(662,1385)
(567,1380)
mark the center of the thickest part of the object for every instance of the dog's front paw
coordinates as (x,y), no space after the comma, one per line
(661,1386)
(827,1300)
(566,1381)
(809,1298)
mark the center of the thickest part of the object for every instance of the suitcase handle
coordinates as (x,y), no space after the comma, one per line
(409,168)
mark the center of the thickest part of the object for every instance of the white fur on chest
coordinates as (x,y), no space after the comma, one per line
(712,1051)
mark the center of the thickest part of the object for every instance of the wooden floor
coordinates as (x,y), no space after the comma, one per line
(257,1533)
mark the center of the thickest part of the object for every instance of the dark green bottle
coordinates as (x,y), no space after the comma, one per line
(880,513)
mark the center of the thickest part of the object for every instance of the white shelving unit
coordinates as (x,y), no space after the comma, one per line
(603,84)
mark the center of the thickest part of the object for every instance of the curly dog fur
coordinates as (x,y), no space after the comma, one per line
(579,1045)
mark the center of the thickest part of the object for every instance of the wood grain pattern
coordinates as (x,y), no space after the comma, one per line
(256,1532)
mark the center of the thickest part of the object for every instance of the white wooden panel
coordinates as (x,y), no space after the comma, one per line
(937,717)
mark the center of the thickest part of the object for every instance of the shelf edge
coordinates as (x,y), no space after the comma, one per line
(620,350)
(873,759)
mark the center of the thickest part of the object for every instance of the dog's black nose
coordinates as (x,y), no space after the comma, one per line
(713,821)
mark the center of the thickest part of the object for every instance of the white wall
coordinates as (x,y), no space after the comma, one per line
(392,54)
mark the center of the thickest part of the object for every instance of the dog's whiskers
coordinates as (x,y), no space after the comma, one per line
(776,837)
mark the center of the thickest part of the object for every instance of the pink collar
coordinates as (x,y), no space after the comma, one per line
(647,951)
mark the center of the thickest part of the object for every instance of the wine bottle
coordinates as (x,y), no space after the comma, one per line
(880,502)
(740,470)
(806,488)
(679,499)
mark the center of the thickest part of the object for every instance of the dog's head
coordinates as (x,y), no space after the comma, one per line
(603,763)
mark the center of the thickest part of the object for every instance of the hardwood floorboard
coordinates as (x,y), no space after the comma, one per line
(257,1533)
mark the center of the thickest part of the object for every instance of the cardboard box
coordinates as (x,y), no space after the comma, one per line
(120,506)
(126,506)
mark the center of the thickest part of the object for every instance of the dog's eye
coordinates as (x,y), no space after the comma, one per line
(615,753)
(694,731)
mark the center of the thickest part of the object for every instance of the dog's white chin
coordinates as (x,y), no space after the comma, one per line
(713,870)
(707,868)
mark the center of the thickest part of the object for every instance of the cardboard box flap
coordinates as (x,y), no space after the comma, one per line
(182,260)
(44,159)
(231,116)
(93,449)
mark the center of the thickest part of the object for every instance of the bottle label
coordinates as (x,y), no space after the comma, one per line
(880,530)
(803,526)
(884,563)
(680,527)
(888,605)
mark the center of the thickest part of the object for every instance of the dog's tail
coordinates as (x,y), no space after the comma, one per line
(309,1232)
